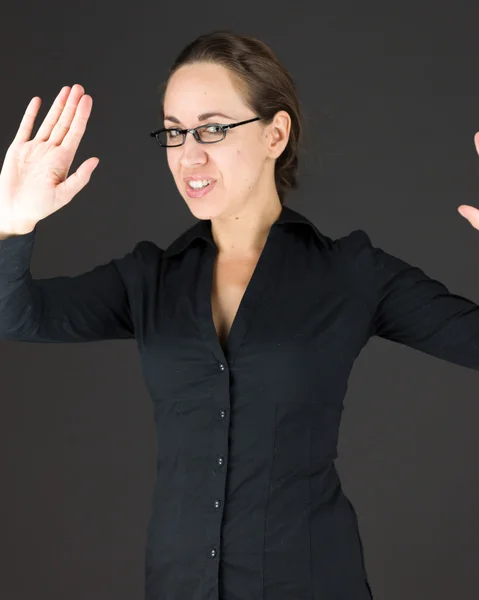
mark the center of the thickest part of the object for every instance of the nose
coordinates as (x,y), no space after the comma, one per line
(192,152)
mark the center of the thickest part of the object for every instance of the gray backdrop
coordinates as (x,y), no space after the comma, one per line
(392,102)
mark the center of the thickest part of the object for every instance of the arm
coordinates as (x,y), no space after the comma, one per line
(409,307)
(87,307)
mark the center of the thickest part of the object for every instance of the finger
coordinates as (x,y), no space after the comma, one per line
(63,124)
(53,114)
(26,124)
(76,182)
(72,139)
(470,213)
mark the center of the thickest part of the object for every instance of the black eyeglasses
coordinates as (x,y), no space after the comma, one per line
(204,134)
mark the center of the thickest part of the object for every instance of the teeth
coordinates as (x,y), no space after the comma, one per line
(195,183)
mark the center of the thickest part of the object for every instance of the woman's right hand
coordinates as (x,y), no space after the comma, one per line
(34,180)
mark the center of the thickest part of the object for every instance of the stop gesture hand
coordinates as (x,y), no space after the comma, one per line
(34,180)
(469,212)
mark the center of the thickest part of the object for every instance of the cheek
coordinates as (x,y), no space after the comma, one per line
(175,169)
(171,161)
(248,165)
(243,162)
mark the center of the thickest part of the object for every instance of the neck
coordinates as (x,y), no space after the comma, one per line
(243,235)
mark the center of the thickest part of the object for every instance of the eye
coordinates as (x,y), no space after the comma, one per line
(214,128)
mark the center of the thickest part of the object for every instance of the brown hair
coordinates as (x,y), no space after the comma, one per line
(264,83)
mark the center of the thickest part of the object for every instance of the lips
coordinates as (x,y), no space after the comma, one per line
(199,192)
(198,178)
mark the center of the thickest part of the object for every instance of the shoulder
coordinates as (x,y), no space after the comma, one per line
(349,245)
(142,255)
(144,251)
(355,243)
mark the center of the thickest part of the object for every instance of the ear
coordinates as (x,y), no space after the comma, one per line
(278,133)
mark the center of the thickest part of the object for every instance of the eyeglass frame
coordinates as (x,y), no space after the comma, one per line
(195,133)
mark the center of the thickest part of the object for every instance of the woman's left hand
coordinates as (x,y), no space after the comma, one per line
(469,212)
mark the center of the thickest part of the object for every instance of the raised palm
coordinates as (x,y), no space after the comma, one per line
(470,212)
(34,181)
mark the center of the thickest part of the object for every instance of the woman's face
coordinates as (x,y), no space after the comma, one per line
(241,166)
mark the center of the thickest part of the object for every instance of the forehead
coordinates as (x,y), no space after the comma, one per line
(198,88)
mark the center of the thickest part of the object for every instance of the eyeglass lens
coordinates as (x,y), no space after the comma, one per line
(207,133)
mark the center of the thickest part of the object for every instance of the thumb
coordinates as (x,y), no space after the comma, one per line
(77,181)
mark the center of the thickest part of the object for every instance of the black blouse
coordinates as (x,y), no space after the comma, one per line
(248,504)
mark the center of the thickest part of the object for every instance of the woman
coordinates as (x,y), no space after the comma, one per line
(247,325)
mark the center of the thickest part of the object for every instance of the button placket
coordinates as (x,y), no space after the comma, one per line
(220,455)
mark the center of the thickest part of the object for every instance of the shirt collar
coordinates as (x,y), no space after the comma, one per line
(202,230)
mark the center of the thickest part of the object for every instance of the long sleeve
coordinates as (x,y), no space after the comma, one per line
(87,307)
(409,307)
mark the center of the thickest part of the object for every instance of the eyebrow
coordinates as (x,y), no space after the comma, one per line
(201,117)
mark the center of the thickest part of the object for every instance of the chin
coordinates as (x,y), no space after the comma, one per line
(201,208)
(204,208)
